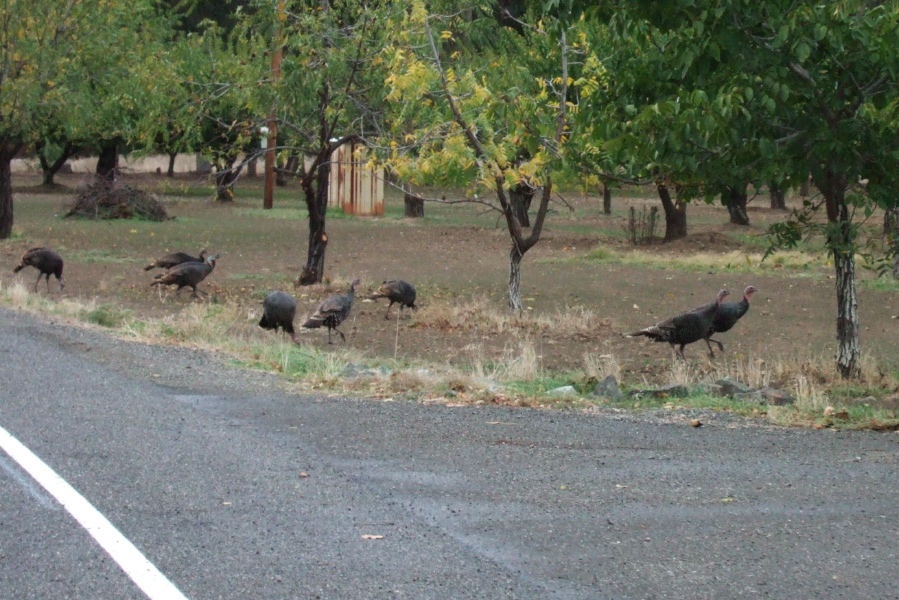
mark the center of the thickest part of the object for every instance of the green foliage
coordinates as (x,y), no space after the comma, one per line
(500,82)
(713,93)
(81,74)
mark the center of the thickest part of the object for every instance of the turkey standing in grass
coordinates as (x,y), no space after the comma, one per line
(188,274)
(727,316)
(333,311)
(47,262)
(685,328)
(397,291)
(278,310)
(174,259)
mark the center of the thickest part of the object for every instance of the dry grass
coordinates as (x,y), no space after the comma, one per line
(519,362)
(482,314)
(600,366)
(231,328)
(817,389)
(20,295)
(735,261)
(810,380)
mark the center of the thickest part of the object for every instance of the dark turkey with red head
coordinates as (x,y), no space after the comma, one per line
(727,316)
(684,328)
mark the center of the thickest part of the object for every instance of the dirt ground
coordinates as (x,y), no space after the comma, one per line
(453,255)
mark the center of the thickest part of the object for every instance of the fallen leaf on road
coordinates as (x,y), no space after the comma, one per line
(368,536)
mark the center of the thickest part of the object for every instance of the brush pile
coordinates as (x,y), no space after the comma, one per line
(100,201)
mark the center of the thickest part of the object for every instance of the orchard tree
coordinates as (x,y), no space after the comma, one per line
(839,63)
(826,76)
(73,71)
(327,92)
(636,124)
(216,89)
(481,106)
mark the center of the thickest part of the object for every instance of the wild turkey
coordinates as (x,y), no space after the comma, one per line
(174,259)
(47,262)
(333,311)
(278,310)
(685,328)
(188,274)
(397,291)
(727,316)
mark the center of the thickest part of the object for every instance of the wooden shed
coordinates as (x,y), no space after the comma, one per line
(353,186)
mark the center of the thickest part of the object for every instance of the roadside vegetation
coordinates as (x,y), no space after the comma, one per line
(479,374)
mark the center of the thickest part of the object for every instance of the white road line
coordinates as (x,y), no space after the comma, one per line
(147,577)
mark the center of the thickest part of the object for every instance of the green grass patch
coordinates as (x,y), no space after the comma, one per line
(108,315)
(880,284)
(180,189)
(539,386)
(96,255)
(301,214)
(731,262)
(290,214)
(296,362)
(251,276)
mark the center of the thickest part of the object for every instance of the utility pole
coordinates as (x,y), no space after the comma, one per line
(272,140)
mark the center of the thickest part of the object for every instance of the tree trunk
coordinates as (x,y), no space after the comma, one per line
(891,231)
(606,199)
(515,257)
(317,203)
(415,206)
(735,198)
(225,180)
(675,214)
(804,187)
(520,196)
(289,170)
(108,162)
(313,271)
(7,152)
(170,172)
(891,221)
(778,197)
(848,355)
(48,169)
(841,242)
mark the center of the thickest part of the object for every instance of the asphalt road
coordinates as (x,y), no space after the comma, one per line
(235,488)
